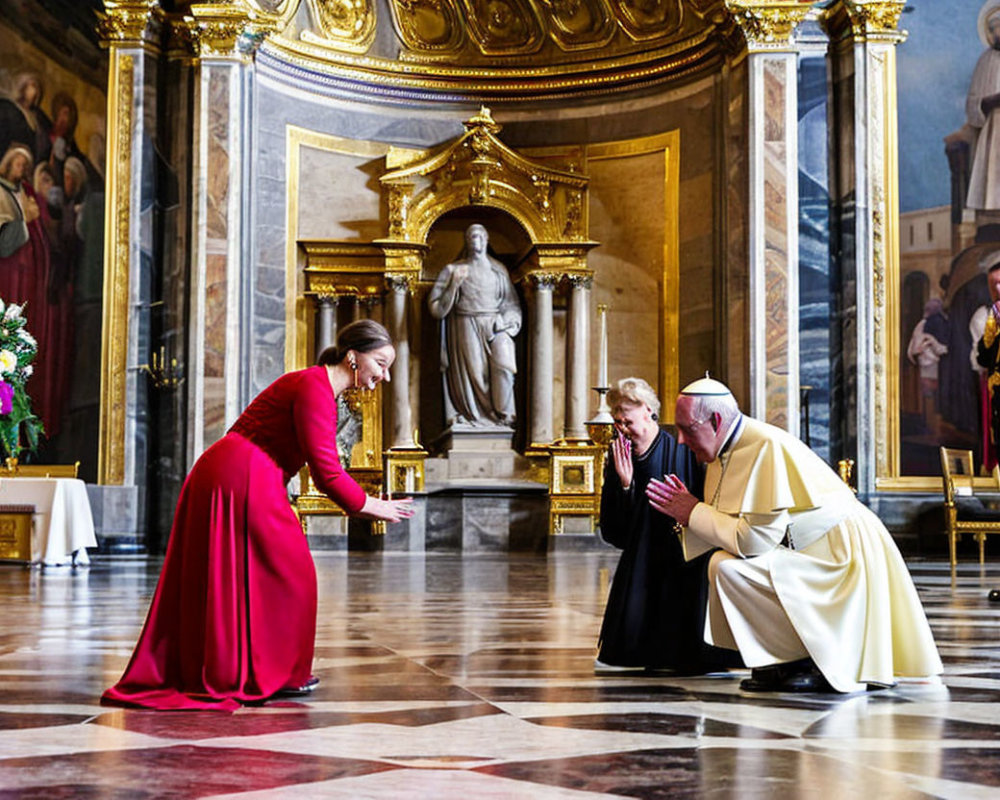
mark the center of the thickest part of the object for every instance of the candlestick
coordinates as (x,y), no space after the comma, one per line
(602,366)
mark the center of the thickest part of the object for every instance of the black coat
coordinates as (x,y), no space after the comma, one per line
(655,615)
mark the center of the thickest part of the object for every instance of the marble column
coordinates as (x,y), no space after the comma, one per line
(131,31)
(864,189)
(542,372)
(577,352)
(773,244)
(225,39)
(397,322)
(326,321)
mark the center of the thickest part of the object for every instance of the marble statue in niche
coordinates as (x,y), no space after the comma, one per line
(480,313)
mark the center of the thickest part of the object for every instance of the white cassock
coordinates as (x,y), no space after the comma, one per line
(818,574)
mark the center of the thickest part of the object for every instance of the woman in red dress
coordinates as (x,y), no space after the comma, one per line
(233,619)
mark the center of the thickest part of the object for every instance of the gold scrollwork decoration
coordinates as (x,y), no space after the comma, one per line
(504,27)
(428,27)
(346,25)
(768,23)
(579,24)
(643,20)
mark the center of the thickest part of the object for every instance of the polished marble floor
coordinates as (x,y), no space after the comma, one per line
(451,677)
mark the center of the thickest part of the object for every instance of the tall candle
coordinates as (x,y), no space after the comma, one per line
(602,367)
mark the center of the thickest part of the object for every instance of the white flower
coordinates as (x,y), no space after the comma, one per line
(28,370)
(7,361)
(26,337)
(13,312)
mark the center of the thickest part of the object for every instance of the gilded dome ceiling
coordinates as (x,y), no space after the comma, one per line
(494,49)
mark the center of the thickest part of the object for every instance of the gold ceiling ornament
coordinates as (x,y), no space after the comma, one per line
(504,27)
(129,22)
(579,24)
(768,23)
(228,29)
(428,27)
(478,169)
(345,25)
(643,20)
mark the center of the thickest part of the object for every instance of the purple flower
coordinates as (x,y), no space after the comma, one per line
(6,397)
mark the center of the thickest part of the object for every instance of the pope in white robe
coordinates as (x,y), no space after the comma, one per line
(805,571)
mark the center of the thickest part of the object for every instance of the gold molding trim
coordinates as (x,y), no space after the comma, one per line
(117,237)
(483,83)
(886,231)
(669,144)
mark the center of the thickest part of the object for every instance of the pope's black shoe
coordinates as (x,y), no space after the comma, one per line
(763,679)
(776,677)
(810,681)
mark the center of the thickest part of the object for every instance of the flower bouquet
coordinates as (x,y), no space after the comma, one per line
(17,350)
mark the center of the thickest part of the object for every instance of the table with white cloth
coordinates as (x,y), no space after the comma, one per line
(63,523)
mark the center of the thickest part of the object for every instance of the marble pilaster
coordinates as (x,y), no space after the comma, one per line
(577,352)
(224,40)
(863,38)
(130,30)
(773,210)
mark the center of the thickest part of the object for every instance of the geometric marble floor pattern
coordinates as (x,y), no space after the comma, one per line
(445,676)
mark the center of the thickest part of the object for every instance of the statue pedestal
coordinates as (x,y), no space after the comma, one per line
(478,451)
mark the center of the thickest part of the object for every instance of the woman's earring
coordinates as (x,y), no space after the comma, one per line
(354,369)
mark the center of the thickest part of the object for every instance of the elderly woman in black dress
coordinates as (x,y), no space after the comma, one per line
(655,616)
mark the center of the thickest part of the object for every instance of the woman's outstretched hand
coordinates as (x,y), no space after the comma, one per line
(386,510)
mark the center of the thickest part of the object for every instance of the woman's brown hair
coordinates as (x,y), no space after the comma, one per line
(362,336)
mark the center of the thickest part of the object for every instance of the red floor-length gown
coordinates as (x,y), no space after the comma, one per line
(234,615)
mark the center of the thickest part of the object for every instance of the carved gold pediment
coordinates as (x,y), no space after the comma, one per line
(479,169)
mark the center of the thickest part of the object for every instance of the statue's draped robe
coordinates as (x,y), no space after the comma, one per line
(984,180)
(818,575)
(480,320)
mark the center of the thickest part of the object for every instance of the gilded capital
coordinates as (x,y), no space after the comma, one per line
(129,22)
(545,281)
(401,282)
(768,23)
(865,18)
(228,29)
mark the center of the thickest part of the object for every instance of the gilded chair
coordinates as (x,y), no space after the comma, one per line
(964,512)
